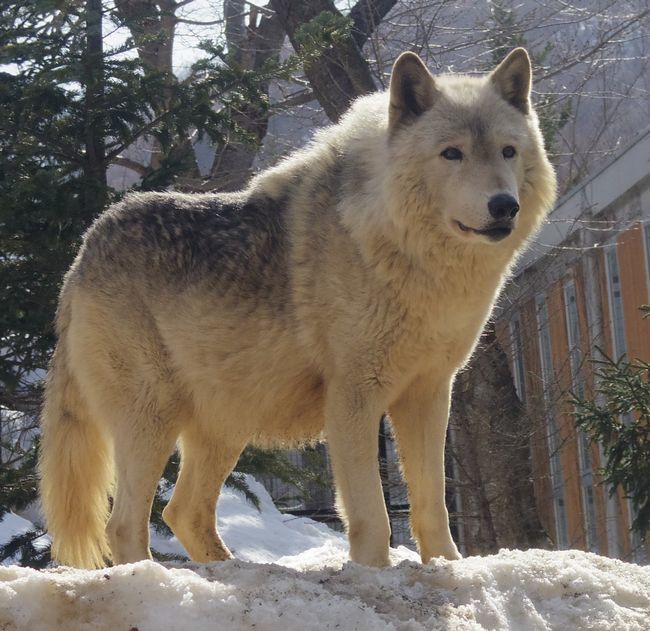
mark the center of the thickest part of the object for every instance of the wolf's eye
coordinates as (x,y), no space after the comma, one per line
(452,153)
(509,151)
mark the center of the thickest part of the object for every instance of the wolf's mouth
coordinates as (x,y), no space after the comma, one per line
(496,231)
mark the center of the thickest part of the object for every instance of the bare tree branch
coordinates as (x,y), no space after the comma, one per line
(607,37)
(138,168)
(199,22)
(298,98)
(366,16)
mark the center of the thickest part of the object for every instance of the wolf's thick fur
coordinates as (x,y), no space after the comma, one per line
(352,279)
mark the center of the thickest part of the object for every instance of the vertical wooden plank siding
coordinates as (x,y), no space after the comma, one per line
(535,406)
(634,288)
(623,522)
(599,491)
(569,453)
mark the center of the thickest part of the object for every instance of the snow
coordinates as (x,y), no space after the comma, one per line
(262,536)
(293,574)
(535,589)
(12,525)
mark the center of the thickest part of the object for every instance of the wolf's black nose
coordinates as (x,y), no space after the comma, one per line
(503,206)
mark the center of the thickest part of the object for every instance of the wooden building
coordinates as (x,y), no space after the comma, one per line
(577,292)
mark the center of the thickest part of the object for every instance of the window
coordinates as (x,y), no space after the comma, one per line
(545,352)
(573,337)
(616,315)
(646,247)
(518,374)
(577,384)
(553,434)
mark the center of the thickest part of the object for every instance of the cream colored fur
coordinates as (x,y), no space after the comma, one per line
(379,301)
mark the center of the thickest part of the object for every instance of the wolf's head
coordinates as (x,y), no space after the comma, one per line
(470,148)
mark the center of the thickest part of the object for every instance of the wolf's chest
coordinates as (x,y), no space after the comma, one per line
(446,327)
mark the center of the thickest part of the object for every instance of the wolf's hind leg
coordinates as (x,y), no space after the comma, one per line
(206,461)
(141,451)
(420,421)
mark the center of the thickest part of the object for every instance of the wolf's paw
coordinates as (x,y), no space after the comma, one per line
(446,551)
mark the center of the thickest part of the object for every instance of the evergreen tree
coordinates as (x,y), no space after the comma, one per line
(65,101)
(618,418)
(71,105)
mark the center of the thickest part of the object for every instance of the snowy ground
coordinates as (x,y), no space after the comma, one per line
(310,585)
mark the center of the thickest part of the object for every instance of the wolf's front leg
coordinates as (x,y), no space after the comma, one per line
(420,422)
(352,426)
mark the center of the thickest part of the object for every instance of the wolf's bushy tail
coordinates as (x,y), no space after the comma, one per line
(76,468)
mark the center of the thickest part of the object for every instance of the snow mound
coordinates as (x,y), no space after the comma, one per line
(293,574)
(535,589)
(263,535)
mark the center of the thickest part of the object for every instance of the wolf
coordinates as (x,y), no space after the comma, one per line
(353,279)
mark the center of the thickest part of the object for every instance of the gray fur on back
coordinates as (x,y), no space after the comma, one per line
(233,242)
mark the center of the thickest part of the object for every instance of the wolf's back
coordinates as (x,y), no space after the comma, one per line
(169,242)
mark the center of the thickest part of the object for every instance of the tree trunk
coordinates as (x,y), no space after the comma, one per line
(152,25)
(251,46)
(492,446)
(341,73)
(95,186)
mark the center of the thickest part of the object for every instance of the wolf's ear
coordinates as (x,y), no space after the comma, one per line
(412,90)
(512,79)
